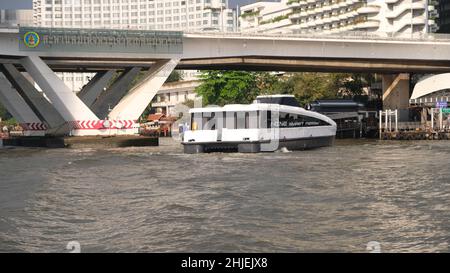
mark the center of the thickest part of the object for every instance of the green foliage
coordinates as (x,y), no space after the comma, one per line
(10,122)
(308,87)
(249,14)
(189,103)
(227,87)
(274,20)
(4,114)
(175,76)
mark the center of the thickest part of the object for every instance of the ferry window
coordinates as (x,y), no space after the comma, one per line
(310,121)
(220,120)
(208,121)
(196,121)
(264,118)
(240,120)
(251,120)
(247,120)
(230,120)
(288,120)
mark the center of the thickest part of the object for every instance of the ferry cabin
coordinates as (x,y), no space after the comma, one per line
(233,126)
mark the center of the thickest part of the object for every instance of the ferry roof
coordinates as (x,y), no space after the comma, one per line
(237,107)
(262,107)
(275,96)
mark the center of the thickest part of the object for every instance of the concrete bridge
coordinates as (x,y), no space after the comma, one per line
(101,106)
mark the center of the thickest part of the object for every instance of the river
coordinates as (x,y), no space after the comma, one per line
(157,199)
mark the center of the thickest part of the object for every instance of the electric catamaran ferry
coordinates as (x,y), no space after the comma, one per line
(268,124)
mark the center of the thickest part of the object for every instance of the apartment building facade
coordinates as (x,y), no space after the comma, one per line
(337,16)
(172,94)
(135,14)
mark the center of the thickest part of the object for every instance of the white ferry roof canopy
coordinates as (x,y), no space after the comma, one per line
(237,108)
(430,85)
(275,96)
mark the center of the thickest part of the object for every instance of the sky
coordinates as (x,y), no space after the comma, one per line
(16,4)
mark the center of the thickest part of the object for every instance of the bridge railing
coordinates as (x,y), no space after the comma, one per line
(350,35)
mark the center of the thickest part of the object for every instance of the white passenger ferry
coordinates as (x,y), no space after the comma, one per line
(268,124)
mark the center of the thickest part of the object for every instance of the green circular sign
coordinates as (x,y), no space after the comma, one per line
(31,39)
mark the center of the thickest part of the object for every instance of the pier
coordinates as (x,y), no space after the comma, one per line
(437,128)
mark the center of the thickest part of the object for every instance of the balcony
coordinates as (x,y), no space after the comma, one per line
(369,10)
(405,8)
(368,24)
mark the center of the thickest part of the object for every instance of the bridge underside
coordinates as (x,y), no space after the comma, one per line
(249,63)
(263,63)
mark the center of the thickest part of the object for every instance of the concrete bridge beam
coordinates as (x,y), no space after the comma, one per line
(65,101)
(111,97)
(20,110)
(35,100)
(396,93)
(94,88)
(139,97)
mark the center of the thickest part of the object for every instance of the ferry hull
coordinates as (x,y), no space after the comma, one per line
(256,147)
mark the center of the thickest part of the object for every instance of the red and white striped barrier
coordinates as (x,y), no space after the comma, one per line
(34,126)
(102,124)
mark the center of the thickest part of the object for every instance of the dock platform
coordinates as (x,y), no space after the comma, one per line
(82,142)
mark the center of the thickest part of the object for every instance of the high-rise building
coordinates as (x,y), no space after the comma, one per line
(136,14)
(334,16)
(442,15)
(183,15)
(16,17)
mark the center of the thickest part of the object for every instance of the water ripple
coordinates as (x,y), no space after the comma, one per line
(158,199)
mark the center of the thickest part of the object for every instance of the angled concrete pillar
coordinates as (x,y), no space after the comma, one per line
(109,98)
(33,97)
(139,97)
(396,94)
(94,88)
(66,102)
(20,110)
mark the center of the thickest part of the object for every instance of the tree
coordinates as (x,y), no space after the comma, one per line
(4,114)
(175,76)
(189,103)
(270,83)
(226,87)
(308,87)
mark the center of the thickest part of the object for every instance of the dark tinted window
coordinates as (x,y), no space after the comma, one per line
(289,101)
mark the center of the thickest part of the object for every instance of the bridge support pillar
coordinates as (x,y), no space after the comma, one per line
(139,97)
(20,110)
(396,94)
(95,87)
(36,101)
(65,100)
(111,97)
(81,120)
